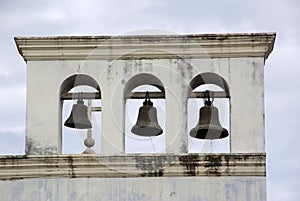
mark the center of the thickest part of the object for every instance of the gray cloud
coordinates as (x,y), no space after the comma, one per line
(14,142)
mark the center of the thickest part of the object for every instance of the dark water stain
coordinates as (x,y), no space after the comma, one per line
(191,164)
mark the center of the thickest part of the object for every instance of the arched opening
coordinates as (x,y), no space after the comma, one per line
(135,93)
(74,140)
(219,94)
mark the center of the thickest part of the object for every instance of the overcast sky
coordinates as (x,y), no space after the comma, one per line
(111,17)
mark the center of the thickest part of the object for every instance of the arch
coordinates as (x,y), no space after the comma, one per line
(143,79)
(145,144)
(204,146)
(77,80)
(209,78)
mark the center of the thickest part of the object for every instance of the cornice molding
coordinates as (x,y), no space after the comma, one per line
(146,46)
(133,165)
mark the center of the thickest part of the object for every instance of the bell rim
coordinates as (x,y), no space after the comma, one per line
(203,133)
(78,125)
(139,130)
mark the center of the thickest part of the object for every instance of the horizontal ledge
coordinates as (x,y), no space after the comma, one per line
(141,95)
(146,46)
(54,56)
(132,165)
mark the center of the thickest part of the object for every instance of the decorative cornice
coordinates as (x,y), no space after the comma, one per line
(133,165)
(146,46)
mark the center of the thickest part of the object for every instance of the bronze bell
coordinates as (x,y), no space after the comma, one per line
(147,124)
(209,126)
(78,117)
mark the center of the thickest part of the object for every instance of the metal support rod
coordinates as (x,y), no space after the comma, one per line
(160,95)
(202,94)
(96,109)
(83,95)
(141,95)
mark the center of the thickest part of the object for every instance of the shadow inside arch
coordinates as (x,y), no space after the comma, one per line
(143,79)
(78,80)
(209,78)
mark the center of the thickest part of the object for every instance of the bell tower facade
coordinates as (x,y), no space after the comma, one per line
(175,65)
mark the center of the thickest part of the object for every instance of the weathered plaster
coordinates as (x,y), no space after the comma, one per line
(132,165)
(174,60)
(137,189)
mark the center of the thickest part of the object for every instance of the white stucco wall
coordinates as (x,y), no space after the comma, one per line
(136,189)
(243,75)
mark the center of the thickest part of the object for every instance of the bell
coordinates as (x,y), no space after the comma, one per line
(78,117)
(209,126)
(147,124)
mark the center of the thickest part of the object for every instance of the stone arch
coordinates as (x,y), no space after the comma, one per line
(209,78)
(130,138)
